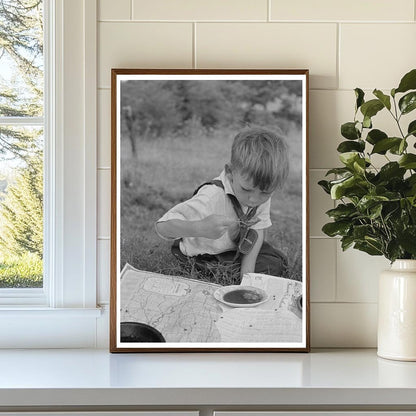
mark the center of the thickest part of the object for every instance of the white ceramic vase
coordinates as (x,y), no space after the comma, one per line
(397,312)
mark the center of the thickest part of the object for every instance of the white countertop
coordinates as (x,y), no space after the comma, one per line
(96,377)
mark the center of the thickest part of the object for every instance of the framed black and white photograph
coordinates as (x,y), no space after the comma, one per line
(209,210)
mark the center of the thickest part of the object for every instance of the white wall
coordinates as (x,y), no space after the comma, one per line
(345,44)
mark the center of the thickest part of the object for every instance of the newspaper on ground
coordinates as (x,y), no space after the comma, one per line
(185,310)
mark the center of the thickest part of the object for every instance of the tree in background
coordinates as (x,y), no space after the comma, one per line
(21,86)
(149,110)
(188,108)
(22,212)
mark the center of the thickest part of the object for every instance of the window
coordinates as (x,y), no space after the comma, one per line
(63,312)
(22,132)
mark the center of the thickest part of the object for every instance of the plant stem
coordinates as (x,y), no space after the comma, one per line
(397,118)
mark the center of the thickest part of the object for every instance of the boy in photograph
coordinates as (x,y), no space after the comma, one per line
(225,221)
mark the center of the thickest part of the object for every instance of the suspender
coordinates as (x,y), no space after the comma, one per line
(237,207)
(247,237)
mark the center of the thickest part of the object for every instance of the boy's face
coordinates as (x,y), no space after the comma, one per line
(245,192)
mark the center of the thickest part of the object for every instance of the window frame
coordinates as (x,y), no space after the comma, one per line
(38,296)
(70,170)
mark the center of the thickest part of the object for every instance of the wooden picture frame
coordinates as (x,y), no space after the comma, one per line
(172,130)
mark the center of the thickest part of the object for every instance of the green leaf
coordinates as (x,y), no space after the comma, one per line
(325,186)
(361,231)
(369,201)
(408,161)
(403,146)
(398,150)
(375,212)
(346,242)
(411,130)
(408,102)
(371,108)
(336,228)
(393,250)
(342,211)
(348,158)
(383,145)
(374,242)
(374,136)
(367,122)
(359,94)
(338,188)
(350,146)
(407,239)
(385,99)
(359,166)
(408,82)
(347,187)
(391,170)
(349,131)
(368,248)
(411,179)
(411,183)
(338,171)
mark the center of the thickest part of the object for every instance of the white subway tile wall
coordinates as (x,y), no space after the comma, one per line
(104,202)
(338,325)
(323,269)
(357,275)
(355,10)
(103,271)
(104,128)
(344,44)
(375,55)
(114,10)
(270,45)
(148,45)
(200,10)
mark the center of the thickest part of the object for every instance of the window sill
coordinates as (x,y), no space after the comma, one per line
(37,327)
(36,312)
(324,379)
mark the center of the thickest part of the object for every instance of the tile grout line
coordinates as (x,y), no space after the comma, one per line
(355,302)
(105,88)
(269,11)
(323,237)
(194,62)
(338,63)
(335,254)
(131,9)
(308,22)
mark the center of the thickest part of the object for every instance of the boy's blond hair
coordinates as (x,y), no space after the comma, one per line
(261,156)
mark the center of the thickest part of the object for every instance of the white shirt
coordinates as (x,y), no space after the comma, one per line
(209,200)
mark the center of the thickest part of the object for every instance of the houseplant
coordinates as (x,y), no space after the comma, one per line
(376,209)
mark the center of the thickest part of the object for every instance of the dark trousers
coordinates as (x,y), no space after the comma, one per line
(269,260)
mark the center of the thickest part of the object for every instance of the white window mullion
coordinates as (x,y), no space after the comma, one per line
(49,104)
(22,121)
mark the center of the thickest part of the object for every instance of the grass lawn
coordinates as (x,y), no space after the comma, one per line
(21,272)
(167,171)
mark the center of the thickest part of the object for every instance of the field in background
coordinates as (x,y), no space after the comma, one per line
(21,271)
(167,170)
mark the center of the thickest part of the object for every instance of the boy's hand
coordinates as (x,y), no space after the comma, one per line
(215,226)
